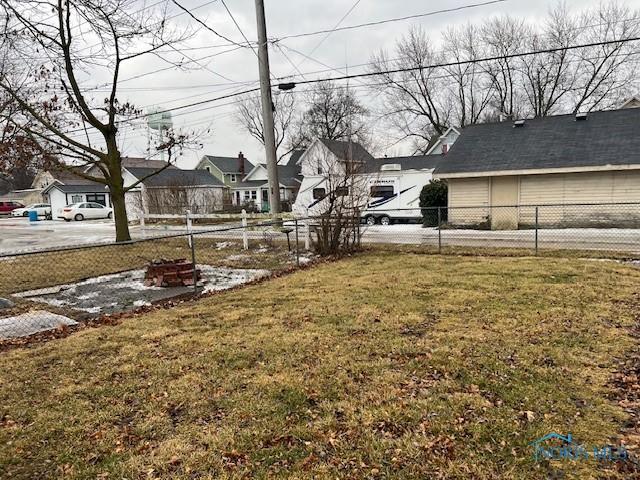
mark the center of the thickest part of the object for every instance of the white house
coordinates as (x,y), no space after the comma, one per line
(445,142)
(160,188)
(248,183)
(254,187)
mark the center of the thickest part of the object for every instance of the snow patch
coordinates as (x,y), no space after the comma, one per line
(32,322)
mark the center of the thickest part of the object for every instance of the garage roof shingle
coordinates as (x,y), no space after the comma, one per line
(608,138)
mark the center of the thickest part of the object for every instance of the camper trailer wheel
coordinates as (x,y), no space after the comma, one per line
(370,220)
(385,220)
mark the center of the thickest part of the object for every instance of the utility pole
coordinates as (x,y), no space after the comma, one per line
(267,112)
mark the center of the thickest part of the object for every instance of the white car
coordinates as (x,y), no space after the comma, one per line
(43,209)
(84,211)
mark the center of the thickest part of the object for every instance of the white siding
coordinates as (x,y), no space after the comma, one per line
(319,156)
(468,192)
(57,199)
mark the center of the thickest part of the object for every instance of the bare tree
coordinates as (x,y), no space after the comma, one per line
(413,99)
(606,72)
(249,116)
(502,37)
(335,113)
(341,196)
(548,78)
(467,87)
(56,45)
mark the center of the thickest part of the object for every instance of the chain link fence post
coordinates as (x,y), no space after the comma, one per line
(307,233)
(439,230)
(189,226)
(536,227)
(193,261)
(245,238)
(297,244)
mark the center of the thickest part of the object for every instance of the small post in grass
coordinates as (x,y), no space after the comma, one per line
(307,232)
(439,230)
(245,238)
(536,234)
(297,244)
(189,227)
(193,261)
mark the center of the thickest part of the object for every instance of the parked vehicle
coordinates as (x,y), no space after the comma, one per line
(384,197)
(84,211)
(43,210)
(7,207)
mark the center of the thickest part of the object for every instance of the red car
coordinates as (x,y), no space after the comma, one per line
(7,207)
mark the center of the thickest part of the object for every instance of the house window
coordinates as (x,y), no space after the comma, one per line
(98,198)
(208,169)
(233,178)
(342,191)
(382,191)
(247,195)
(76,198)
(319,193)
(319,170)
(254,194)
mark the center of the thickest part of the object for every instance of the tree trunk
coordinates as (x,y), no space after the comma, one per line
(120,215)
(116,187)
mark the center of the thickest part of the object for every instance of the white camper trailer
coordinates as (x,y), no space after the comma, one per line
(388,192)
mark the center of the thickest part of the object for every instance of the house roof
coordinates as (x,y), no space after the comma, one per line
(604,139)
(229,164)
(249,184)
(67,176)
(138,162)
(92,187)
(19,194)
(294,157)
(289,175)
(347,150)
(417,162)
(175,177)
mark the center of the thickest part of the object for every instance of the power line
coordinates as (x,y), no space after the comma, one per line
(390,20)
(329,32)
(467,62)
(188,12)
(172,47)
(302,74)
(233,19)
(391,71)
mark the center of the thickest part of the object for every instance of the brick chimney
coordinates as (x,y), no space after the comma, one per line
(241,164)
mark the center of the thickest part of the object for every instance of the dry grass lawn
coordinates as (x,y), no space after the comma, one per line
(378,366)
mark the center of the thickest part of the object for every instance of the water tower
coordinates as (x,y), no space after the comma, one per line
(157,123)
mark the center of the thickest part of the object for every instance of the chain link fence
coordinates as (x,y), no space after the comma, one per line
(46,292)
(54,290)
(529,229)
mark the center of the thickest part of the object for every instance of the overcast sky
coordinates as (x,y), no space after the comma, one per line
(175,87)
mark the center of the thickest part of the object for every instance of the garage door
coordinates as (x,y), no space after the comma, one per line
(468,198)
(578,188)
